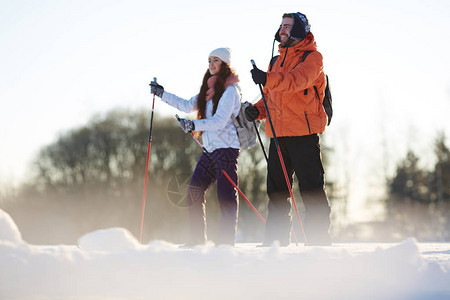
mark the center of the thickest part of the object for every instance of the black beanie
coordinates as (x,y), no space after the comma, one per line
(300,27)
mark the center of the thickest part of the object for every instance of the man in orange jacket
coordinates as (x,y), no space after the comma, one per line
(294,91)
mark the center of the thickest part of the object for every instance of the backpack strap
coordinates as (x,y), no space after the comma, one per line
(272,62)
(305,55)
(317,92)
(274,59)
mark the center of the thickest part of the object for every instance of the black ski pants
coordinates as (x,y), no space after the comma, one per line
(301,155)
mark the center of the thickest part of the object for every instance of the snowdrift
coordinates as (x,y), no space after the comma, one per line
(111,264)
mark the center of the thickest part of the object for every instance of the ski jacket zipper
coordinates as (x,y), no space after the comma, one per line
(307,122)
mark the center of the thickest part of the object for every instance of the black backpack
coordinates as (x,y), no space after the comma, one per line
(327,100)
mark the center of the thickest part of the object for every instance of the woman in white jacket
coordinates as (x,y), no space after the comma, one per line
(218,99)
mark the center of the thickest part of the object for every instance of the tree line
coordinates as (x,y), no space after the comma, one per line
(92,177)
(418,202)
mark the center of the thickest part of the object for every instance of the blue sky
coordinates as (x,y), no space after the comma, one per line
(63,61)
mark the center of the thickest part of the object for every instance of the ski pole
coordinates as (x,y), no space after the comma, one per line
(260,141)
(146,166)
(281,158)
(267,160)
(226,175)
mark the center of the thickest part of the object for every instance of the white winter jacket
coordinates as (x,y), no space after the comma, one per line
(218,129)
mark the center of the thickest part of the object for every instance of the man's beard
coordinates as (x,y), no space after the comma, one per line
(287,43)
(290,43)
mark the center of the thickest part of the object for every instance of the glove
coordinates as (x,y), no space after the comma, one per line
(187,125)
(251,113)
(259,77)
(156,89)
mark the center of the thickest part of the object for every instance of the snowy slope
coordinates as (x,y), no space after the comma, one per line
(111,264)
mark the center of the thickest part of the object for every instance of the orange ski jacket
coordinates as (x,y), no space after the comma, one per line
(293,104)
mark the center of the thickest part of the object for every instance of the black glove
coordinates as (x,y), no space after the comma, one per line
(251,113)
(156,89)
(259,77)
(187,125)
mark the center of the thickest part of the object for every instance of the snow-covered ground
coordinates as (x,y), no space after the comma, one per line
(111,264)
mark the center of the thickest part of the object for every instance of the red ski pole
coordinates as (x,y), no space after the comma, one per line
(228,177)
(146,167)
(281,159)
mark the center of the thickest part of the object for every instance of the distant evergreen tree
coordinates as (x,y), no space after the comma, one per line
(409,181)
(418,202)
(441,178)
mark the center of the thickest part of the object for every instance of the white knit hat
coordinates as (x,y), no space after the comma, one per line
(223,53)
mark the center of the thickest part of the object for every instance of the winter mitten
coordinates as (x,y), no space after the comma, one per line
(259,77)
(251,113)
(156,89)
(187,125)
